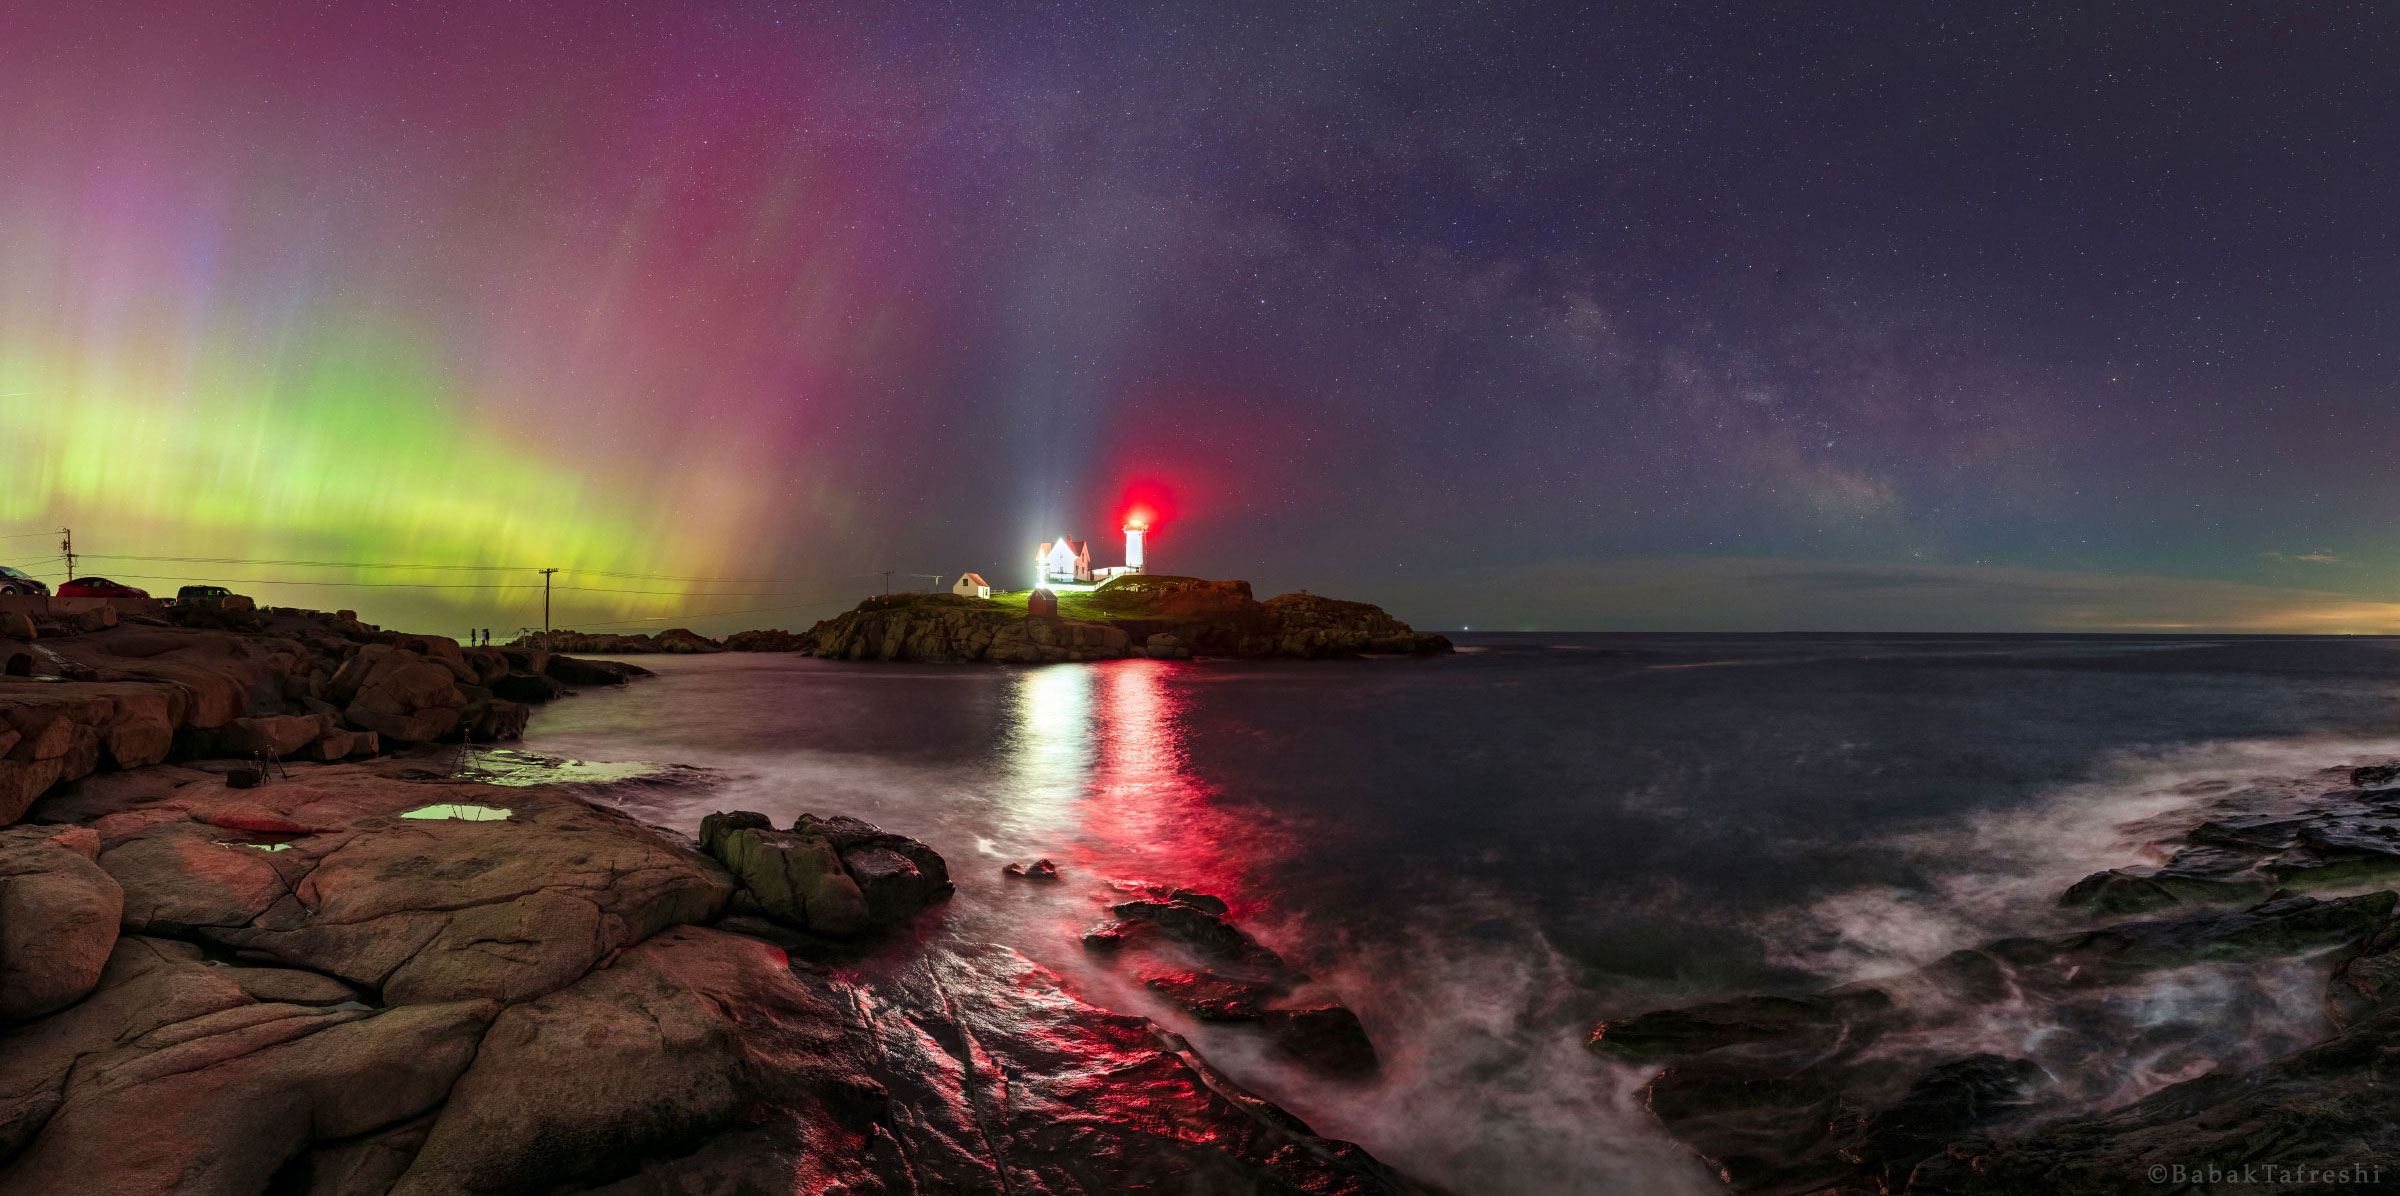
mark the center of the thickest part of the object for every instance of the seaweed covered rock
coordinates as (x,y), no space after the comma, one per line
(837,876)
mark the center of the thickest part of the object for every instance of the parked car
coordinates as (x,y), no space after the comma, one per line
(17,581)
(98,587)
(202,596)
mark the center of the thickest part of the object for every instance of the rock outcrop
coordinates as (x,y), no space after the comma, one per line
(395,888)
(372,979)
(835,876)
(771,640)
(674,640)
(1866,1089)
(942,628)
(1199,962)
(1161,617)
(279,684)
(176,1077)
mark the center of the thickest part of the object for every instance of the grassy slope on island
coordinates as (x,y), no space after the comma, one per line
(1129,597)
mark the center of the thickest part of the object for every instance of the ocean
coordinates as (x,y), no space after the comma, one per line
(1484,854)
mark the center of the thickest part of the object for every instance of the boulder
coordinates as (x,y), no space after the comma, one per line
(275,735)
(488,664)
(58,918)
(1206,933)
(52,732)
(797,878)
(488,719)
(1166,647)
(340,745)
(529,688)
(569,670)
(898,875)
(1326,1038)
(1212,997)
(400,695)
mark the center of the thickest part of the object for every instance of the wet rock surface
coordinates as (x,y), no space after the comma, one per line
(1865,1089)
(1043,1093)
(1185,950)
(452,971)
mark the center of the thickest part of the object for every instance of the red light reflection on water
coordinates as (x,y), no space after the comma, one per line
(1145,815)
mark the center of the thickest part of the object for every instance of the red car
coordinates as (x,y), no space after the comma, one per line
(98,587)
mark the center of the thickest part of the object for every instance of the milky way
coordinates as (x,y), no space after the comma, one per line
(1561,316)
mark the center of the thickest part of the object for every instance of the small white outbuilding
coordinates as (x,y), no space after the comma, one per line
(971,585)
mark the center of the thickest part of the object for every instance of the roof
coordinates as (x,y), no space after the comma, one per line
(973,579)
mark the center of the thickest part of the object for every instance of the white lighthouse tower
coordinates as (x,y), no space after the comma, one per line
(1133,544)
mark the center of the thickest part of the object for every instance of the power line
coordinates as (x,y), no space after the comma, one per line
(229,560)
(711,614)
(440,585)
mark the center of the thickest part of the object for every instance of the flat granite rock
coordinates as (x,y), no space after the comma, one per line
(416,909)
(172,1078)
(690,1036)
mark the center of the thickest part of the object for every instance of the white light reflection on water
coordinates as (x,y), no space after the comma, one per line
(1047,756)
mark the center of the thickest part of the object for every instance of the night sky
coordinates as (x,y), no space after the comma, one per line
(1636,316)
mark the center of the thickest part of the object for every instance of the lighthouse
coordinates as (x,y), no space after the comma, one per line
(1133,544)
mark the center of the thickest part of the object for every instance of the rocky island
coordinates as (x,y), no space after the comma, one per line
(1155,615)
(262,930)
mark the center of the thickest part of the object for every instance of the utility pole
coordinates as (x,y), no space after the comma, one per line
(546,598)
(66,545)
(887,582)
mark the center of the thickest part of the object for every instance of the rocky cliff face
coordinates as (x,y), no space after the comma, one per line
(944,627)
